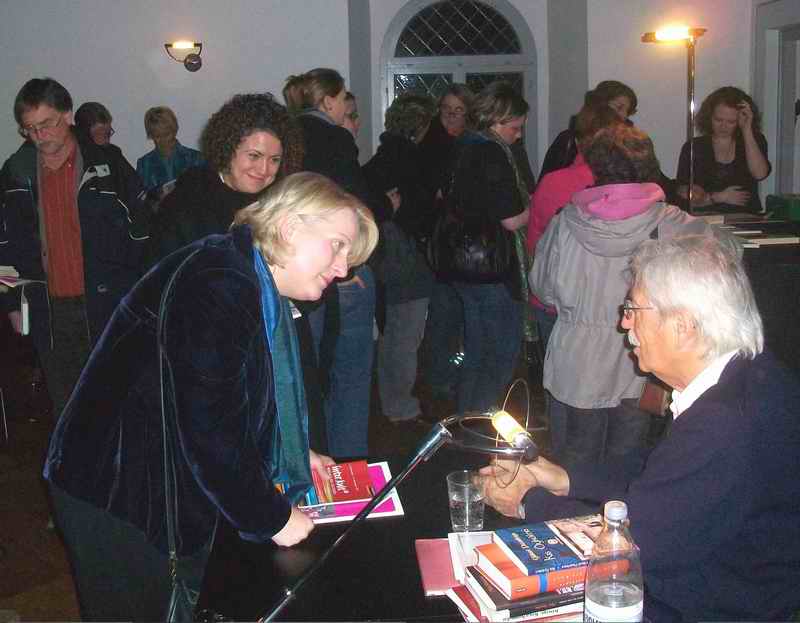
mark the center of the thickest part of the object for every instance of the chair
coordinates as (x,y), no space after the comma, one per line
(3,410)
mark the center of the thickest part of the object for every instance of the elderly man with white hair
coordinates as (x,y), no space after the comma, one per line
(716,509)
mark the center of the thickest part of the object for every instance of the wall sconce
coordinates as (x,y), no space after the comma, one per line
(689,36)
(186,52)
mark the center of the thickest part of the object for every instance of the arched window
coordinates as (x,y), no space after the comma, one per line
(431,44)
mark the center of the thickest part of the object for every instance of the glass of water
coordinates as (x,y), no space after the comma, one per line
(465,493)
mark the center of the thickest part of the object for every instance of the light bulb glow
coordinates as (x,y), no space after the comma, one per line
(675,32)
(183,45)
(506,426)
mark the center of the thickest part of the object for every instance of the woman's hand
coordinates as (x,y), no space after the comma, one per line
(732,195)
(296,529)
(319,462)
(745,119)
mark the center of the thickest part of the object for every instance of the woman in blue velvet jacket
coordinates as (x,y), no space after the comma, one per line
(235,405)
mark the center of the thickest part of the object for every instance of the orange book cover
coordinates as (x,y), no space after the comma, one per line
(513,583)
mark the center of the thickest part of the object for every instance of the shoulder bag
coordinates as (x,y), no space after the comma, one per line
(466,244)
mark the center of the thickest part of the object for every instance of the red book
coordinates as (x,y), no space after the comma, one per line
(435,566)
(347,482)
(513,583)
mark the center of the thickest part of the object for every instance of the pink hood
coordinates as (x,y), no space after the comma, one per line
(615,202)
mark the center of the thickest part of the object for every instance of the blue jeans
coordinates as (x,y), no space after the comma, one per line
(492,341)
(615,435)
(350,372)
(444,333)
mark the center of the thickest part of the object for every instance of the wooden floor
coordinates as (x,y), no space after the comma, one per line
(35,579)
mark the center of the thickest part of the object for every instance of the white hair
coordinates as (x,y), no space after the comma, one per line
(699,276)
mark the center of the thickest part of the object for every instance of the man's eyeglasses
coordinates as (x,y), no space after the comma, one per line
(44,126)
(627,309)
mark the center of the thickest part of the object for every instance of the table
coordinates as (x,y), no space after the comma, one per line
(372,576)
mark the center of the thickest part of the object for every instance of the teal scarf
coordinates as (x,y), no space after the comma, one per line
(289,460)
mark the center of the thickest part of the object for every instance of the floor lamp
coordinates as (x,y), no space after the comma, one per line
(689,36)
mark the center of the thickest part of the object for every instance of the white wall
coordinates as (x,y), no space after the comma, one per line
(535,13)
(112,51)
(658,72)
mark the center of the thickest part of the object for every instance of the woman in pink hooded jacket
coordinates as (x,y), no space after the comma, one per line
(580,269)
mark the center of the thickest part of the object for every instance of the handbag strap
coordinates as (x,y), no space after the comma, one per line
(170,487)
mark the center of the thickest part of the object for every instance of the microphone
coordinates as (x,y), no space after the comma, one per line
(510,430)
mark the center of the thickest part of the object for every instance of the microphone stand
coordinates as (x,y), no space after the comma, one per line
(438,436)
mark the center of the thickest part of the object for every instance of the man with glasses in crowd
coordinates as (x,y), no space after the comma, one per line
(715,509)
(71,219)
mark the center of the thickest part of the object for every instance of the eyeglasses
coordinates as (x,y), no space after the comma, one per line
(104,129)
(44,126)
(458,111)
(627,309)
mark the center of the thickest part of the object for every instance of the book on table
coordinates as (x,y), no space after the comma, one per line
(499,607)
(435,566)
(345,509)
(472,610)
(536,558)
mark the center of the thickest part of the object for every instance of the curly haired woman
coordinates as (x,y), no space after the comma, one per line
(247,144)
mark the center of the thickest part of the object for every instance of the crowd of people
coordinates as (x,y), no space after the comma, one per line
(231,304)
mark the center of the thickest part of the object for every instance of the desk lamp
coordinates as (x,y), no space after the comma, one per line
(512,442)
(689,36)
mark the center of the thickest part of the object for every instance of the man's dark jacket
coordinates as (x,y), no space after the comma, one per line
(114,225)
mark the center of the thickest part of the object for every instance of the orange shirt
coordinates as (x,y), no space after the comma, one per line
(62,229)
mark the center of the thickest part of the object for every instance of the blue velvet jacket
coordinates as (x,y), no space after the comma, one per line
(106,448)
(716,511)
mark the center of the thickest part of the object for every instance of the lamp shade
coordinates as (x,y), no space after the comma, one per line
(180,50)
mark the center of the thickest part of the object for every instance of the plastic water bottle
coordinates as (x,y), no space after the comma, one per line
(614,590)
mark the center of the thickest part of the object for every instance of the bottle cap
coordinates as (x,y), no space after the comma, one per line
(616,510)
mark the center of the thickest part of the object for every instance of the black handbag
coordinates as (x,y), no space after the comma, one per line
(467,245)
(183,599)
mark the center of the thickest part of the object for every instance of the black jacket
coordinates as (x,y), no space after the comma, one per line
(114,224)
(402,268)
(200,205)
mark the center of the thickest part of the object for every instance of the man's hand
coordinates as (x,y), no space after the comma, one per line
(506,497)
(319,462)
(296,529)
(15,318)
(501,495)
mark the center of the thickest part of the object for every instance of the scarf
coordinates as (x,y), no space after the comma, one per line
(289,459)
(524,259)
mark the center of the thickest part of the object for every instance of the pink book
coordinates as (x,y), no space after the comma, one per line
(379,474)
(435,566)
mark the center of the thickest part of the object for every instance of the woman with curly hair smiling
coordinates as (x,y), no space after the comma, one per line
(247,144)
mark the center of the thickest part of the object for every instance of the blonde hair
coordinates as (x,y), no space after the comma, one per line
(160,118)
(308,90)
(309,196)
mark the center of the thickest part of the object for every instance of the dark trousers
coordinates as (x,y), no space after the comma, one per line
(63,363)
(616,434)
(119,576)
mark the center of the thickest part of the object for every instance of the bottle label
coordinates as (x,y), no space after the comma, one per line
(598,613)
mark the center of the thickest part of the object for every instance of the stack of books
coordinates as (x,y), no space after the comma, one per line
(532,572)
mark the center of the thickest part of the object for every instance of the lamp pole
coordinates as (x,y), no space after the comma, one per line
(690,36)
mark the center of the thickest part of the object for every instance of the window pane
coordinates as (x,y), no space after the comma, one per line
(457,28)
(476,82)
(430,84)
